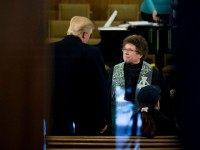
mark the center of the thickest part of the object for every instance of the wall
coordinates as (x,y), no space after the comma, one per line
(98,7)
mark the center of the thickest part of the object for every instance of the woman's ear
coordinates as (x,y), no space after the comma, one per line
(141,56)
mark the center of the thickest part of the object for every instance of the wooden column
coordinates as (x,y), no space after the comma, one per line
(23,73)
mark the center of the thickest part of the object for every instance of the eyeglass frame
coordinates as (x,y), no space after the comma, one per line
(130,50)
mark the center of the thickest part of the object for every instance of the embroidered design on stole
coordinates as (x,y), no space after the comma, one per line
(118,92)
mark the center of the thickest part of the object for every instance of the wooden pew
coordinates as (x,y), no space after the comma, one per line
(111,142)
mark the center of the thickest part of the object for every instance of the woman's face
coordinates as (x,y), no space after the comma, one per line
(130,55)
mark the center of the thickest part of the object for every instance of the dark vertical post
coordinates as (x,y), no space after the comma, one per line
(23,71)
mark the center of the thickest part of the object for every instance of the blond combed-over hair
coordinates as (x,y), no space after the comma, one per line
(79,25)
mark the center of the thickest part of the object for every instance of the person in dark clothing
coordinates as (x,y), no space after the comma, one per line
(153,122)
(126,80)
(79,97)
(169,94)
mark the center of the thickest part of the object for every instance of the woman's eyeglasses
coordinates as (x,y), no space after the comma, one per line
(129,50)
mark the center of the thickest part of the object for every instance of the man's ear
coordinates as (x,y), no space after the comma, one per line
(83,35)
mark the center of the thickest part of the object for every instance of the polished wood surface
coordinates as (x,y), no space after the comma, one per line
(112,142)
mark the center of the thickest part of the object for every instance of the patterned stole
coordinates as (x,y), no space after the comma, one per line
(123,110)
(118,80)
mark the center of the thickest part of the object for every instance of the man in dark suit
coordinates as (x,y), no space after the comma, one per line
(79,97)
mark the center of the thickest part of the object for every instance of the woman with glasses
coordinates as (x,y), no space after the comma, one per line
(126,80)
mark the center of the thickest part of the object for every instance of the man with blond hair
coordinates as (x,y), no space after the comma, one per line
(79,99)
(81,27)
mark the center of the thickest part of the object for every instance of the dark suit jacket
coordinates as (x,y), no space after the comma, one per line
(78,87)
